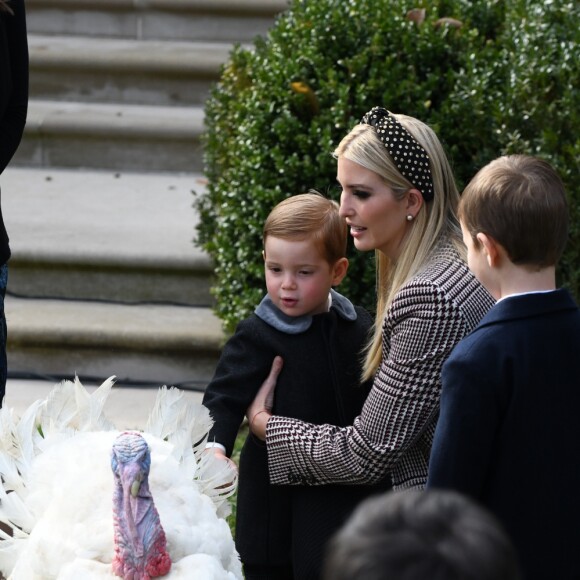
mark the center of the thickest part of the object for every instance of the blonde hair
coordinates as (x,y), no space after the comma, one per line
(310,216)
(435,220)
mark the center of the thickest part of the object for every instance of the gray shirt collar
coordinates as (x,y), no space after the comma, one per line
(273,316)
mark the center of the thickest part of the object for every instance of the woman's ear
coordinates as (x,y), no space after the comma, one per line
(339,271)
(414,202)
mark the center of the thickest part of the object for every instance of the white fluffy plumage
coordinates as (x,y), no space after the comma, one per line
(57,487)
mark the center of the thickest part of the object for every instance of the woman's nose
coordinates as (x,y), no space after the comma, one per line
(345,207)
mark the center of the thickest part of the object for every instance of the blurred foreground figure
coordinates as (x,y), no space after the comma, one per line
(13,111)
(415,535)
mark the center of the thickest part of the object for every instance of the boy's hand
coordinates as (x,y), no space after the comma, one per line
(260,411)
(219,453)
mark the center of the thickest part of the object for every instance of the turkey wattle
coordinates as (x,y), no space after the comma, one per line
(160,511)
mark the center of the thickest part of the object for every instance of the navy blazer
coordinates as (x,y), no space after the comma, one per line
(508,433)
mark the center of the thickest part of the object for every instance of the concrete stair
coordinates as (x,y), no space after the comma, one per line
(112,136)
(123,71)
(192,20)
(104,277)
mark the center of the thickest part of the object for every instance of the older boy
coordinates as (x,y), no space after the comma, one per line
(508,433)
(281,531)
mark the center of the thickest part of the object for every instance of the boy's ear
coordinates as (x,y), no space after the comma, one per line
(414,201)
(264,255)
(339,271)
(490,248)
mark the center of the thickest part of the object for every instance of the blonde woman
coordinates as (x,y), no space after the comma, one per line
(399,199)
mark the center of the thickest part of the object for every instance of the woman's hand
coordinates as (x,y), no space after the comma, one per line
(260,411)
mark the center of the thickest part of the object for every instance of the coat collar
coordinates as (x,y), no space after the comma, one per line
(273,316)
(528,306)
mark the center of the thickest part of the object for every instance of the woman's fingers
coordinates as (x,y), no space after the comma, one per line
(259,411)
(269,385)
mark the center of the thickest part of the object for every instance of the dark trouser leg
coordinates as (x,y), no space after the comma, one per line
(3,332)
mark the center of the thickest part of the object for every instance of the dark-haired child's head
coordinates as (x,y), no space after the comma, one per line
(520,202)
(418,535)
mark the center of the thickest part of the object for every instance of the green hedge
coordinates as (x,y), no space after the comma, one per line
(490,77)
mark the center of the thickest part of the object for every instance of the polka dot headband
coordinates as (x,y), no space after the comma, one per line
(410,158)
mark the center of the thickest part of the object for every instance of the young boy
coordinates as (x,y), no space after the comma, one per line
(508,433)
(281,531)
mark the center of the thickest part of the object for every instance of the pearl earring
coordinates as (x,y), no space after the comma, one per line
(409,218)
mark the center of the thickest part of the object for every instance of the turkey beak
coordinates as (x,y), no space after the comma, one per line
(135,486)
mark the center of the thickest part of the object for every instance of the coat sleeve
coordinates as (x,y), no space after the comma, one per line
(14,118)
(420,330)
(244,364)
(463,445)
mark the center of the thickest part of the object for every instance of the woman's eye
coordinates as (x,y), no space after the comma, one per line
(361,194)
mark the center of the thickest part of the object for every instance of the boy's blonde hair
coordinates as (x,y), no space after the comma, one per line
(435,220)
(309,216)
(520,202)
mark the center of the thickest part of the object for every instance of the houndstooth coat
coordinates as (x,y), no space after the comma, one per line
(428,316)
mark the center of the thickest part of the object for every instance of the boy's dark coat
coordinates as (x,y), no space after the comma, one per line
(320,383)
(509,431)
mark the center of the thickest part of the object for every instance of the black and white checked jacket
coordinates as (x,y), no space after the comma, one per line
(393,434)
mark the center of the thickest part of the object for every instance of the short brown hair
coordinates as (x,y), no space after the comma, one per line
(520,202)
(310,216)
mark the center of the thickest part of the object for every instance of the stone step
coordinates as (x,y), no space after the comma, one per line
(206,20)
(104,277)
(156,343)
(84,235)
(90,235)
(112,136)
(74,68)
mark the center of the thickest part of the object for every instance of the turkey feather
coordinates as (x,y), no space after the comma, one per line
(57,487)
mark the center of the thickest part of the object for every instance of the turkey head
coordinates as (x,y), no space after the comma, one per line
(140,544)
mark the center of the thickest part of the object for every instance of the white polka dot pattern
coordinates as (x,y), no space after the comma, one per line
(409,157)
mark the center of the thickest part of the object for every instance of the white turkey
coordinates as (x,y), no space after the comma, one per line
(84,500)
